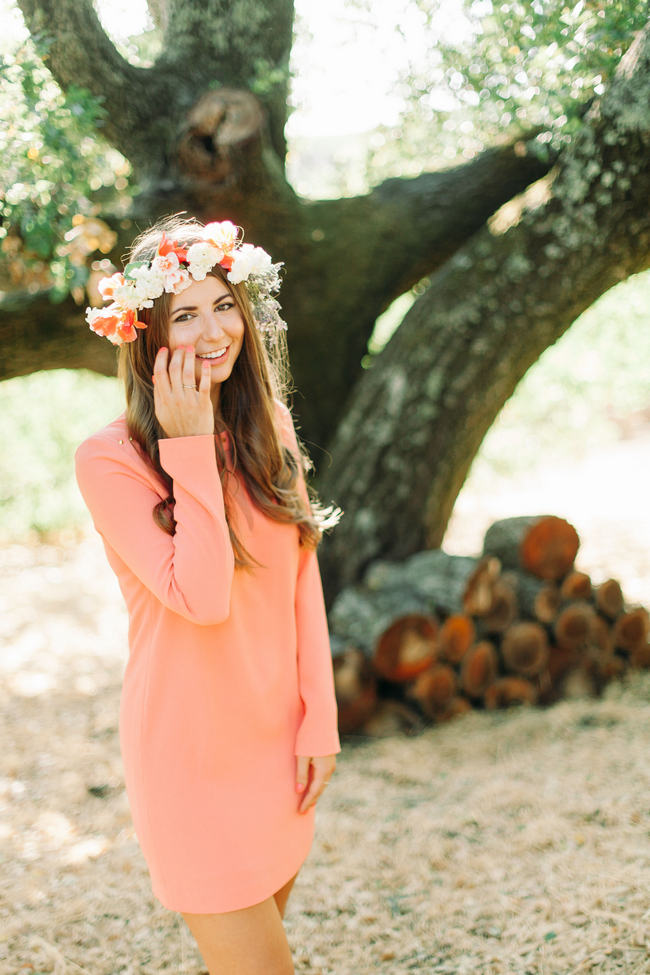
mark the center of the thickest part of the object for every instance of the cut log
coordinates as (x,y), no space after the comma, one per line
(544,545)
(640,656)
(524,648)
(605,666)
(560,661)
(609,598)
(574,625)
(631,629)
(507,691)
(356,689)
(455,637)
(578,683)
(439,579)
(503,611)
(536,599)
(544,687)
(576,585)
(434,689)
(601,634)
(478,669)
(392,718)
(547,603)
(457,706)
(359,617)
(478,598)
(407,647)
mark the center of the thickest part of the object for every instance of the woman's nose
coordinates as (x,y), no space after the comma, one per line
(212,326)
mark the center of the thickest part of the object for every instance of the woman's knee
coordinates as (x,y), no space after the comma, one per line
(282,895)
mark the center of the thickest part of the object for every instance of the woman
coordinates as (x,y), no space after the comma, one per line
(228,723)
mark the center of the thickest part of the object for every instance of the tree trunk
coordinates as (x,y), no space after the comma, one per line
(417,417)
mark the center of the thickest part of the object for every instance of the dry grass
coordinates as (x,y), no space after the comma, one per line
(515,842)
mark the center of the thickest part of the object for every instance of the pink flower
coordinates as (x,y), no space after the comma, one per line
(177,280)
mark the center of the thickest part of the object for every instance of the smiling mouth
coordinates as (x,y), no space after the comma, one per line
(214,358)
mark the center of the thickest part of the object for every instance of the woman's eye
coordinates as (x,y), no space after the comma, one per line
(224,306)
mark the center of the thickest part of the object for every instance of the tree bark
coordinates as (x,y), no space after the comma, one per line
(239,43)
(417,417)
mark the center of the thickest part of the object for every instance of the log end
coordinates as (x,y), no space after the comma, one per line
(478,669)
(355,687)
(508,691)
(548,549)
(407,648)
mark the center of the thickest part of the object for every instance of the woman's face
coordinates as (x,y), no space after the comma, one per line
(206,317)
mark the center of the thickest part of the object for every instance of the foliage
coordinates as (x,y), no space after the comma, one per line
(43,418)
(518,66)
(55,165)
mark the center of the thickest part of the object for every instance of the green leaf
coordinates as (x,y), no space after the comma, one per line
(131,266)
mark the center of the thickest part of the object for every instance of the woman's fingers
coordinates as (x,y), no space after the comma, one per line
(179,410)
(204,384)
(176,371)
(313,792)
(302,772)
(189,379)
(322,767)
(161,384)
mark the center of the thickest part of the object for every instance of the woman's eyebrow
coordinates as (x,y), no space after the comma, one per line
(193,307)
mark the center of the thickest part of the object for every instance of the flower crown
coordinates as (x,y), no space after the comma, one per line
(173,269)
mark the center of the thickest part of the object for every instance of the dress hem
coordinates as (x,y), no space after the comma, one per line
(170,905)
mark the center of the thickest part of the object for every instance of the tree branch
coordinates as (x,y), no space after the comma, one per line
(55,336)
(81,53)
(366,251)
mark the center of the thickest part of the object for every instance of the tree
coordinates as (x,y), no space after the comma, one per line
(203,129)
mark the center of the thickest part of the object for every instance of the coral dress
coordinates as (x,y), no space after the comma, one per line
(229,675)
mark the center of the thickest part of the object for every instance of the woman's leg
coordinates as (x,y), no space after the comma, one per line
(245,942)
(282,895)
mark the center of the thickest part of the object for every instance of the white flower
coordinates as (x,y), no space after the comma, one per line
(248,260)
(223,235)
(126,296)
(149,283)
(202,257)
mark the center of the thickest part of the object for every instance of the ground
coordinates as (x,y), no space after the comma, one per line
(511,842)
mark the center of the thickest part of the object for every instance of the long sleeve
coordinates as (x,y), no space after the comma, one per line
(318,731)
(191,571)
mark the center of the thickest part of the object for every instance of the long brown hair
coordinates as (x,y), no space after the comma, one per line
(259,376)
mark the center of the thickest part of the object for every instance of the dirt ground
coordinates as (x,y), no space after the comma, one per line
(515,842)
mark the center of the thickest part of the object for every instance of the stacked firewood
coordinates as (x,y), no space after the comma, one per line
(430,638)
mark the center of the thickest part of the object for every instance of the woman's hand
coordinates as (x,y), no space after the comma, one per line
(322,768)
(181,409)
